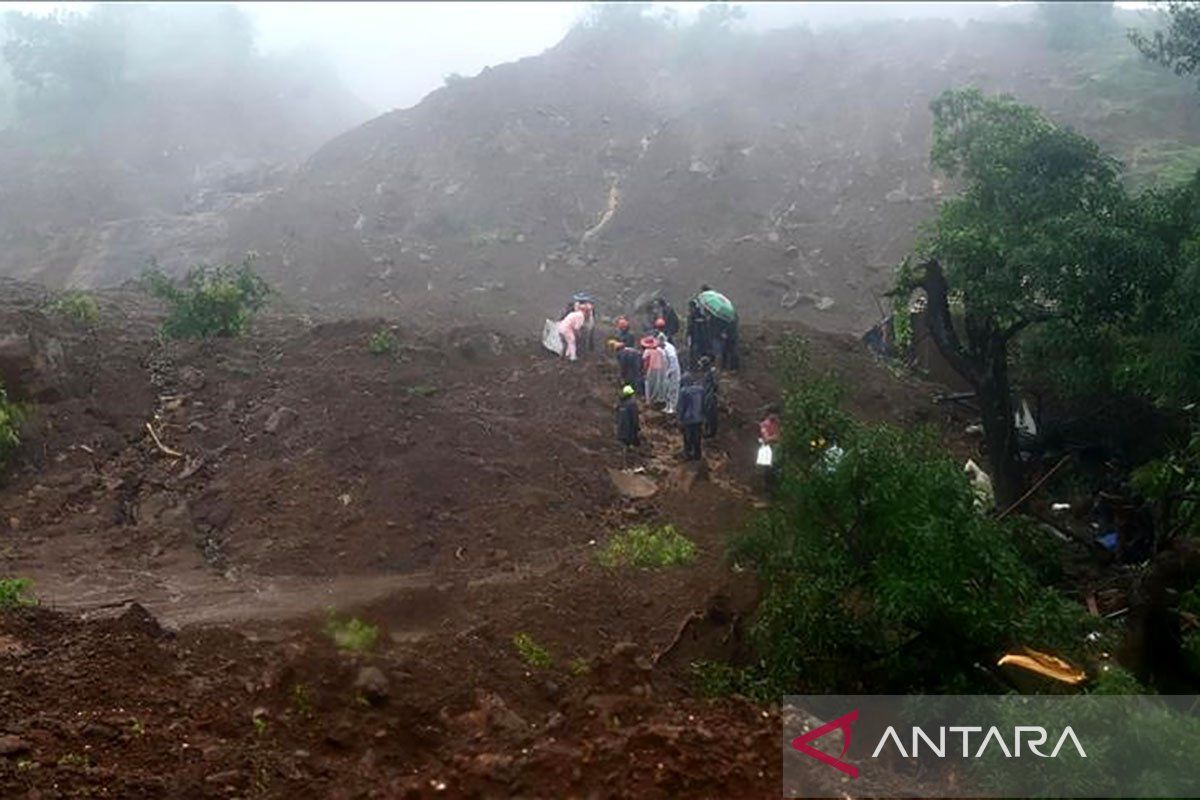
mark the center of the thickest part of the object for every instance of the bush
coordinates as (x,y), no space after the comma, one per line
(382,343)
(878,574)
(78,306)
(351,633)
(645,547)
(209,301)
(12,415)
(532,653)
(14,592)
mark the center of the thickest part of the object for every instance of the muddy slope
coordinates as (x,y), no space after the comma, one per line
(789,168)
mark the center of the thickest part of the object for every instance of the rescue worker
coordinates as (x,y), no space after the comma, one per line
(588,338)
(654,367)
(624,335)
(697,333)
(674,374)
(669,317)
(629,363)
(691,420)
(770,433)
(708,379)
(568,331)
(628,428)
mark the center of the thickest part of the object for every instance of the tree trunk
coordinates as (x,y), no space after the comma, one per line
(982,362)
(999,430)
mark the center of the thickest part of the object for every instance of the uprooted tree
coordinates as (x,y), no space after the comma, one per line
(1041,232)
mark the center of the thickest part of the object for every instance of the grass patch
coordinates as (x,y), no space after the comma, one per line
(14,593)
(645,547)
(423,390)
(351,633)
(383,343)
(78,306)
(12,416)
(532,653)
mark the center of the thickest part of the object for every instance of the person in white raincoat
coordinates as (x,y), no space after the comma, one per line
(673,372)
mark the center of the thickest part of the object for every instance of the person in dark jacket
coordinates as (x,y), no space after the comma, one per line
(725,344)
(697,333)
(691,419)
(628,428)
(661,309)
(708,379)
(624,335)
(629,362)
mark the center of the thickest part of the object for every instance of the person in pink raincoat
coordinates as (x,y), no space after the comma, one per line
(654,366)
(568,331)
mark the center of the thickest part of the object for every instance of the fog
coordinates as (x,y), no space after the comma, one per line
(392,54)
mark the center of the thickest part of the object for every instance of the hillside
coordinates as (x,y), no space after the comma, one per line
(788,167)
(131,124)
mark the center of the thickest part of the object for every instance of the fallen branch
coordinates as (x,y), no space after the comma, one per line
(162,447)
(1035,487)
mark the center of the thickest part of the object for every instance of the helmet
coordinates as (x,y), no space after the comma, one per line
(622,324)
(627,391)
(660,323)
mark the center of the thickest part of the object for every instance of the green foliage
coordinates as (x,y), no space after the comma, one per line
(532,653)
(383,343)
(351,633)
(1043,228)
(209,301)
(878,574)
(579,666)
(12,416)
(1177,47)
(646,547)
(714,679)
(423,390)
(78,306)
(14,593)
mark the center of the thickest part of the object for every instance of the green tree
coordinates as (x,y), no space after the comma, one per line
(209,301)
(877,571)
(1178,46)
(1041,232)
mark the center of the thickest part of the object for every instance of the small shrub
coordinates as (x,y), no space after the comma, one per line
(645,547)
(12,415)
(531,652)
(715,679)
(351,633)
(423,390)
(302,699)
(14,592)
(209,301)
(579,666)
(78,306)
(382,343)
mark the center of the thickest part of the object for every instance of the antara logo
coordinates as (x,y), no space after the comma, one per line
(843,724)
(1032,736)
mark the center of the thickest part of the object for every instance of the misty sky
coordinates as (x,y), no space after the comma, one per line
(393,54)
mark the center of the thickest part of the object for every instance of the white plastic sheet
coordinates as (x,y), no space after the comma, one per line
(550,338)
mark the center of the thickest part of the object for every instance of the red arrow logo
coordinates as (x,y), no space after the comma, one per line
(843,724)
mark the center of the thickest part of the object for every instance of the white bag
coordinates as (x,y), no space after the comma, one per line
(765,456)
(550,338)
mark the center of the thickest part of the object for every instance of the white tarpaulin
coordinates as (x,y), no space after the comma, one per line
(550,338)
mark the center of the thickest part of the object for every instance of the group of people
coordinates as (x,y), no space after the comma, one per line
(649,367)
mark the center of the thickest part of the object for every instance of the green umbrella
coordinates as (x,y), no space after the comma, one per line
(717,304)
